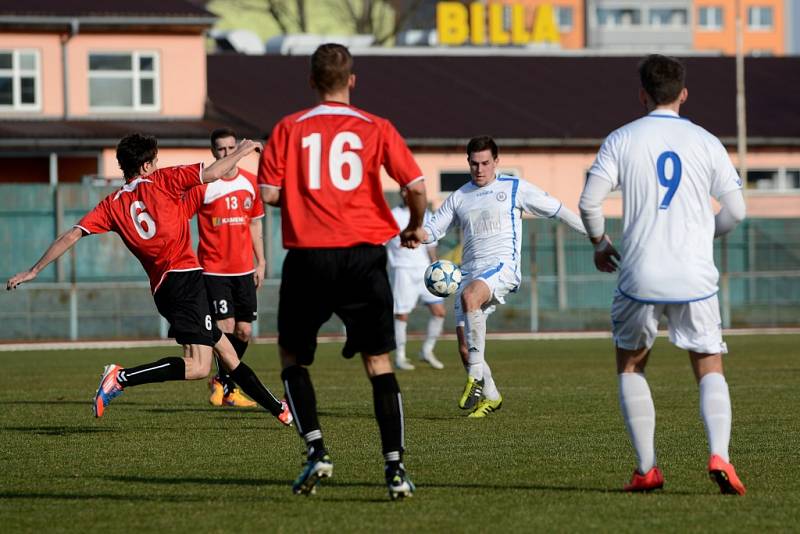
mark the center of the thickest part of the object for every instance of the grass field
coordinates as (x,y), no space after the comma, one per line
(553,459)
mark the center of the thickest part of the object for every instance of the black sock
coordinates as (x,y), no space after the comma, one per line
(224,378)
(389,414)
(303,403)
(164,369)
(250,384)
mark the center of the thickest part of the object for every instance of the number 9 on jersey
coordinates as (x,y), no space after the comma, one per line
(442,278)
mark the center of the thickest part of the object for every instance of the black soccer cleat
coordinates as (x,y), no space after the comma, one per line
(314,470)
(398,482)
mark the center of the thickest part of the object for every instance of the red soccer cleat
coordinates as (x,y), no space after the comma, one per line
(650,481)
(724,474)
(108,389)
(285,416)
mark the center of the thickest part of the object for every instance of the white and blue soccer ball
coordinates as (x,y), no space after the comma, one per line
(442,278)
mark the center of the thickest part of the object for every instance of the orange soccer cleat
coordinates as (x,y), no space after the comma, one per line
(108,389)
(237,399)
(652,480)
(285,416)
(724,474)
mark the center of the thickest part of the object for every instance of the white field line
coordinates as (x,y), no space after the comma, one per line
(511,336)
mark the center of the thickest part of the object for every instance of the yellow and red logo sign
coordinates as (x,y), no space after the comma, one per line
(478,24)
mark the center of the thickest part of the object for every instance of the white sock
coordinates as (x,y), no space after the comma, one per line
(490,390)
(715,409)
(400,338)
(435,325)
(640,418)
(476,342)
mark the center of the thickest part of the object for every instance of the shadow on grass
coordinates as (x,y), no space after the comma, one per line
(362,484)
(58,430)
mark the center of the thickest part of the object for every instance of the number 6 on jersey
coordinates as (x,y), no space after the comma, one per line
(338,157)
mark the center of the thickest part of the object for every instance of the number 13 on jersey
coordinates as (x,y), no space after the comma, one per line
(340,153)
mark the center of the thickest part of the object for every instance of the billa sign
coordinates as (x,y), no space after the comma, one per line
(478,24)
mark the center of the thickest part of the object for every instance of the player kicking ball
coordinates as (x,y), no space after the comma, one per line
(489,211)
(151,220)
(667,169)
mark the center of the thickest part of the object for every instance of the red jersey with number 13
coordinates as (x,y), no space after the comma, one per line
(326,160)
(149,216)
(224,210)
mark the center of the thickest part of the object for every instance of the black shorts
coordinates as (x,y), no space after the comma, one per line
(232,296)
(181,300)
(350,282)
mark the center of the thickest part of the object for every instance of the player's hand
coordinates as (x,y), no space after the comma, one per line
(258,275)
(606,257)
(248,145)
(19,278)
(413,237)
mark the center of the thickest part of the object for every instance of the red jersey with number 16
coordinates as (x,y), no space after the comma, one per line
(326,160)
(149,216)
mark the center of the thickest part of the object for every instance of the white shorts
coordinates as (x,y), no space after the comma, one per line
(694,326)
(502,279)
(408,286)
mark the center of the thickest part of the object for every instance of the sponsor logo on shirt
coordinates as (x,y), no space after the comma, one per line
(219,221)
(484,193)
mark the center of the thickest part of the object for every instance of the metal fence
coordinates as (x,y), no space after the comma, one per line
(100,292)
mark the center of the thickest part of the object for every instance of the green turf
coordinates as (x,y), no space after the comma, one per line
(553,459)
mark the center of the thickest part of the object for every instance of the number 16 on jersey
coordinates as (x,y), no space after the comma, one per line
(337,158)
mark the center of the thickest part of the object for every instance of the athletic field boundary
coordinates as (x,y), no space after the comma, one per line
(499,336)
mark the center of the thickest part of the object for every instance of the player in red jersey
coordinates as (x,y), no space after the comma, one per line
(149,216)
(322,167)
(229,219)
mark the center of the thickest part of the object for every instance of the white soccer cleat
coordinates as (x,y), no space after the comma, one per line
(404,364)
(431,359)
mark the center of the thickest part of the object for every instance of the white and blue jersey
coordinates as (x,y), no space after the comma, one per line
(490,218)
(667,168)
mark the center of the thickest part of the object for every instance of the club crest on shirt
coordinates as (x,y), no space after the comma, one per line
(501,196)
(248,203)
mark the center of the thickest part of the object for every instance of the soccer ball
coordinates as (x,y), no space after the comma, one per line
(442,278)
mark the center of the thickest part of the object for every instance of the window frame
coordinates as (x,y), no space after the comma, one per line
(760,27)
(16,72)
(557,12)
(718,22)
(136,77)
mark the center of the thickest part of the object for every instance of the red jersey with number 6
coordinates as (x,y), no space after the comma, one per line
(326,160)
(224,210)
(149,216)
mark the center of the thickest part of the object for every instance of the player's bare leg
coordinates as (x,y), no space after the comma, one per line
(638,411)
(715,410)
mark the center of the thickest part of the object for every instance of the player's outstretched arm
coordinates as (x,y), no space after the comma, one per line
(57,248)
(732,212)
(223,166)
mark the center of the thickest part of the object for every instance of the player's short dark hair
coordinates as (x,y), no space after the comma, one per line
(219,133)
(481,143)
(663,78)
(331,66)
(133,151)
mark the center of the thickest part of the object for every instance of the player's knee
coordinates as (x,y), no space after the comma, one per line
(197,370)
(227,325)
(243,331)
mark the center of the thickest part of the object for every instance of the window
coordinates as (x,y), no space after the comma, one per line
(781,179)
(123,81)
(668,17)
(759,18)
(564,18)
(20,85)
(618,17)
(710,18)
